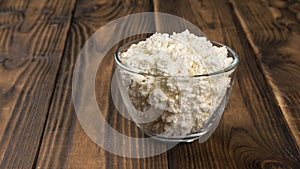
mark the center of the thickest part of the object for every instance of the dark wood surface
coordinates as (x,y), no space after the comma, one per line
(32,40)
(39,44)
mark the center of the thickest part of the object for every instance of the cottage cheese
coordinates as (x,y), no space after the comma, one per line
(185,103)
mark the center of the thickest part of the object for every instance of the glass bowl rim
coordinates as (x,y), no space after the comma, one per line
(230,67)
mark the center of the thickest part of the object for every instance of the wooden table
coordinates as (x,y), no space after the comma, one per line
(40,41)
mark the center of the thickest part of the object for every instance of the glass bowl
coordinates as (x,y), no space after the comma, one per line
(153,119)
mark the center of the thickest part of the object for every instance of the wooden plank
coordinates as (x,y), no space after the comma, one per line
(65,144)
(253,132)
(273,28)
(32,39)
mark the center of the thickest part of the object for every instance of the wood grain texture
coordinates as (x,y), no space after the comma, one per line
(65,144)
(39,44)
(253,132)
(32,38)
(273,28)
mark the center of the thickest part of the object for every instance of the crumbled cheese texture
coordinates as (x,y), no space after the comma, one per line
(186,102)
